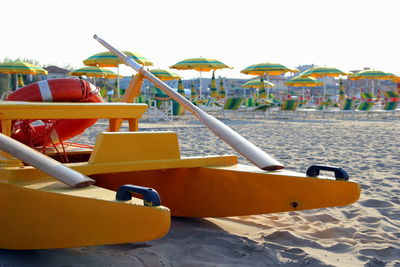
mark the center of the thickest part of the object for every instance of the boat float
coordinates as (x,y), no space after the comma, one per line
(127,187)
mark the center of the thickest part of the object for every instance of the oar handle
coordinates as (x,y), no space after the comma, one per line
(44,163)
(253,153)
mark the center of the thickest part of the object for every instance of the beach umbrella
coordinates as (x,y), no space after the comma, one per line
(193,92)
(160,95)
(20,80)
(164,75)
(109,59)
(342,94)
(94,72)
(181,89)
(200,64)
(257,83)
(323,72)
(394,78)
(268,69)
(213,87)
(221,92)
(19,67)
(371,75)
(261,85)
(303,81)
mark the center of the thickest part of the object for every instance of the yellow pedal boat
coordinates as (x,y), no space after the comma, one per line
(40,212)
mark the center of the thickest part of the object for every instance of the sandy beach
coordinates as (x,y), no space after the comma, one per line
(366,233)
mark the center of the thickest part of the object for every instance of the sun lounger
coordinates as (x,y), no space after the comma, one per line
(287,109)
(232,105)
(348,107)
(390,108)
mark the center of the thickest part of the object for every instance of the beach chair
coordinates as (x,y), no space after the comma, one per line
(231,105)
(211,104)
(287,109)
(250,102)
(160,110)
(348,107)
(390,108)
(289,105)
(364,108)
(262,109)
(391,94)
(177,109)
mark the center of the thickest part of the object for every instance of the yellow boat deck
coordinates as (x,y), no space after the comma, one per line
(209,186)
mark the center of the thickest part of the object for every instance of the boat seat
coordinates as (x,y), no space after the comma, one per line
(128,151)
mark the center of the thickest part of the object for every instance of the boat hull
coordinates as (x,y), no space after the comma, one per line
(235,190)
(47,215)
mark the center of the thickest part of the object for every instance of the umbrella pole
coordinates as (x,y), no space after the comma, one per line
(200,87)
(118,95)
(16,81)
(232,138)
(267,86)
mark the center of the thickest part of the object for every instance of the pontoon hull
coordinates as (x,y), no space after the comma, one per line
(235,190)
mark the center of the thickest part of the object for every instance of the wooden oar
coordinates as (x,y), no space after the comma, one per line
(235,140)
(44,163)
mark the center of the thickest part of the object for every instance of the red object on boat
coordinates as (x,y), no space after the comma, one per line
(56,90)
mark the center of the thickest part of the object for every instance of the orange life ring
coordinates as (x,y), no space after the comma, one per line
(55,90)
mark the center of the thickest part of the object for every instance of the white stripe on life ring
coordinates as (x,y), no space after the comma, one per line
(45,91)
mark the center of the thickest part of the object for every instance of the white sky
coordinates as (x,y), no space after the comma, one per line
(346,34)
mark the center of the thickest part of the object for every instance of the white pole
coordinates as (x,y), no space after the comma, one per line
(200,87)
(235,140)
(118,81)
(44,163)
(16,81)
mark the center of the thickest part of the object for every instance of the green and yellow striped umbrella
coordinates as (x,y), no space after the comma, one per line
(213,87)
(94,72)
(193,92)
(164,75)
(257,83)
(266,68)
(199,64)
(20,81)
(160,95)
(304,81)
(221,92)
(342,94)
(371,75)
(322,72)
(108,59)
(181,90)
(394,78)
(262,94)
(261,84)
(19,67)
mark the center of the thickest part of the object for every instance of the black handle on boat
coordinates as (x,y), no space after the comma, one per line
(340,174)
(150,196)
